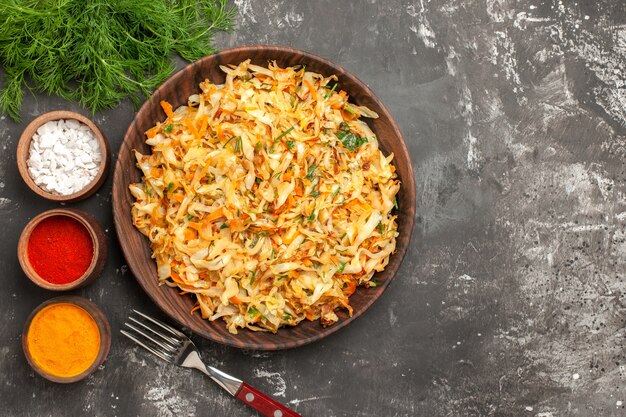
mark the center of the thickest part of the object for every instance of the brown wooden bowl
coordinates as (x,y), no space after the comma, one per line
(23,150)
(99,249)
(103,326)
(136,247)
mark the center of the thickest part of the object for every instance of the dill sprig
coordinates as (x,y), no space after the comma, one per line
(98,52)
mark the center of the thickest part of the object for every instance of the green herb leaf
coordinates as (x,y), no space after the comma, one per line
(291,144)
(311,216)
(253,312)
(228,141)
(311,171)
(373,283)
(336,192)
(395,202)
(350,140)
(252,277)
(331,91)
(224,225)
(380,227)
(283,134)
(168,128)
(170,186)
(287,317)
(342,266)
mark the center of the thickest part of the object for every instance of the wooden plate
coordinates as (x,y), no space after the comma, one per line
(135,246)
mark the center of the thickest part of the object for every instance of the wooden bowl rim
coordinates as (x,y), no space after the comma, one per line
(23,149)
(408,184)
(84,219)
(103,326)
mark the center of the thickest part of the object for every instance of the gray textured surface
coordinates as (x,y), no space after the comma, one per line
(511,299)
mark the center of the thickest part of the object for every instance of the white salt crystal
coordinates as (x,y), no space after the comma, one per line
(63,156)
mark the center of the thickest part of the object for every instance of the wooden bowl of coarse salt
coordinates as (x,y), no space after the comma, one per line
(63,156)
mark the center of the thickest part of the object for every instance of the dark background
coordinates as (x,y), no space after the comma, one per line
(510,301)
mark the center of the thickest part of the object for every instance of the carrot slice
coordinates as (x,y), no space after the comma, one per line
(311,89)
(215,215)
(167,108)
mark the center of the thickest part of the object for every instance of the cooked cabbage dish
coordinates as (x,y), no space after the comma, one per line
(267,198)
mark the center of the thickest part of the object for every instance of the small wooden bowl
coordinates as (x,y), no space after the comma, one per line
(23,150)
(103,326)
(99,249)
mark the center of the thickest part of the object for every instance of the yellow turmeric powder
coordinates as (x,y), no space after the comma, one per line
(63,339)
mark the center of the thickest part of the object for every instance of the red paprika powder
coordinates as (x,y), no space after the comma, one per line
(60,249)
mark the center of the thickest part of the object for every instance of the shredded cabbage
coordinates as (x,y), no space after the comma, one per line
(267,198)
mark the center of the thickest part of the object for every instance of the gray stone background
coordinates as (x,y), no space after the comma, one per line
(510,301)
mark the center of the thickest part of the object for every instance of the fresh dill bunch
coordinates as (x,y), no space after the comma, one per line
(98,52)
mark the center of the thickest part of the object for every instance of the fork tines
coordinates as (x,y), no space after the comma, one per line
(155,336)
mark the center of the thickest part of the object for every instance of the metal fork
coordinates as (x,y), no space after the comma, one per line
(175,347)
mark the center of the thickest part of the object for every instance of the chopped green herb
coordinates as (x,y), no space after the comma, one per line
(253,312)
(224,225)
(344,235)
(342,266)
(228,141)
(168,128)
(291,144)
(350,140)
(273,254)
(311,171)
(238,144)
(311,216)
(258,145)
(348,108)
(287,317)
(344,127)
(283,134)
(252,277)
(331,91)
(255,240)
(308,291)
(380,227)
(315,193)
(395,202)
(335,192)
(190,216)
(373,283)
(170,186)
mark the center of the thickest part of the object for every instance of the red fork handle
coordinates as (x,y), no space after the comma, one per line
(263,403)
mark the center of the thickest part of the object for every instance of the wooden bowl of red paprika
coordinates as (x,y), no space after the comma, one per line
(62,249)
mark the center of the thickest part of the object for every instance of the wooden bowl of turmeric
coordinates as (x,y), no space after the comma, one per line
(65,339)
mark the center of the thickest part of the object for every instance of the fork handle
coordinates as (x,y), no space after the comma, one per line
(263,403)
